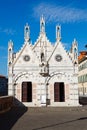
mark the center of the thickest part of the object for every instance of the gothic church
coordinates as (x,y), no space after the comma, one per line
(43,74)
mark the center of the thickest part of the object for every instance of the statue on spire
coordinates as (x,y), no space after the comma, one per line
(42,24)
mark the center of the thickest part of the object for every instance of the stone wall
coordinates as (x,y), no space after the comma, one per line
(6,102)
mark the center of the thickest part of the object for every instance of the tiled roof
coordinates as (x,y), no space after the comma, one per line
(82,55)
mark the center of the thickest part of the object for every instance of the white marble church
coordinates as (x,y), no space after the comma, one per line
(43,74)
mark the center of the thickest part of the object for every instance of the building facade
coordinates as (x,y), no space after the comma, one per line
(82,75)
(43,73)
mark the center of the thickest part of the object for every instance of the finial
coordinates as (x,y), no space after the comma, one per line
(58,33)
(10,43)
(74,40)
(42,24)
(26,32)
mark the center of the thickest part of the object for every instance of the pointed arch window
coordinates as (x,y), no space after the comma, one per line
(42,57)
(75,53)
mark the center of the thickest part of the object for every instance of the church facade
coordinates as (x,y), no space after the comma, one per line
(43,74)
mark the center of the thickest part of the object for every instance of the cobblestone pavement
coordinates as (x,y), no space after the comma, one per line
(44,118)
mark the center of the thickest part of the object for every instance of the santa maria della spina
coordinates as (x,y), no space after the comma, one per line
(43,74)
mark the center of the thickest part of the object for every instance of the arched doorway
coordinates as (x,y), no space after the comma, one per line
(59,92)
(26,92)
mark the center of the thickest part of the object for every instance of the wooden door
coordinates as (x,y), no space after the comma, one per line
(24,92)
(59,92)
(56,92)
(62,92)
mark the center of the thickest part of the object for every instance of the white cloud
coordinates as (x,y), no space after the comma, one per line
(2,48)
(7,31)
(3,53)
(56,13)
(3,57)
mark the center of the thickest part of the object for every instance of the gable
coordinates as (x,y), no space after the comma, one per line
(60,57)
(25,57)
(42,45)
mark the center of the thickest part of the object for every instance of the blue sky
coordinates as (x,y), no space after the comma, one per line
(14,14)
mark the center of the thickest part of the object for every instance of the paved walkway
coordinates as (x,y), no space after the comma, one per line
(22,118)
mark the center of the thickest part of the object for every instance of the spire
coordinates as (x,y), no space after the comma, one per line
(10,52)
(75,42)
(58,33)
(26,33)
(75,51)
(10,45)
(42,24)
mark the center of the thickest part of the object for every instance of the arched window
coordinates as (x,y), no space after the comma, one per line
(75,53)
(42,27)
(42,57)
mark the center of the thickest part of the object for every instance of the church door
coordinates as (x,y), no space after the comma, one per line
(59,93)
(26,92)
